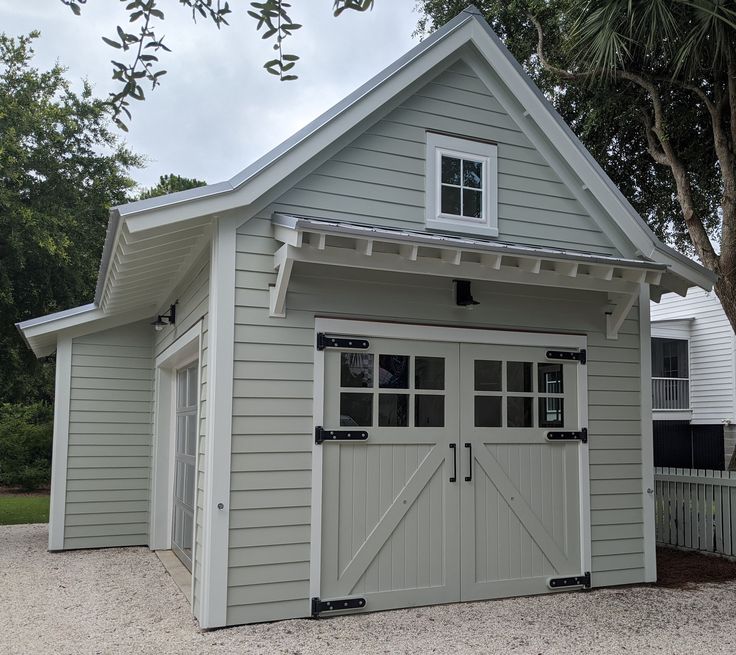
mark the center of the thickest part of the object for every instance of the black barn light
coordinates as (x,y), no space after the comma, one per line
(165,319)
(463,296)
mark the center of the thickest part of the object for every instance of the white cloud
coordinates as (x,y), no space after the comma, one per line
(217,110)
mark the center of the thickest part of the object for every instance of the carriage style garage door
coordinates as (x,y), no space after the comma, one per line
(454,475)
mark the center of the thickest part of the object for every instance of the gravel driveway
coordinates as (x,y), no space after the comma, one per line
(123,601)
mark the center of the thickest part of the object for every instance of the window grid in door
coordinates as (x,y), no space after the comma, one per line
(391,389)
(518,394)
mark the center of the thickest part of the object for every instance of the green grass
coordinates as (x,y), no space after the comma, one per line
(23,508)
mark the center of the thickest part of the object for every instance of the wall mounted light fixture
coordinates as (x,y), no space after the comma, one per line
(463,296)
(165,319)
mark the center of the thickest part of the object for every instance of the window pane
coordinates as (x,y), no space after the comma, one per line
(450,200)
(669,358)
(393,409)
(550,413)
(192,387)
(429,372)
(488,411)
(429,411)
(356,370)
(393,371)
(472,203)
(518,412)
(356,409)
(519,376)
(472,174)
(450,170)
(191,441)
(487,375)
(550,378)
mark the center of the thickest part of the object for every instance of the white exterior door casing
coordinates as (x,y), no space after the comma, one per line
(456,494)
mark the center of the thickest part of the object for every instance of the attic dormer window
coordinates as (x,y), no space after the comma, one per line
(461,185)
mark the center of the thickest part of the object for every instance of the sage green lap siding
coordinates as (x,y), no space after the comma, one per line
(379,178)
(109,455)
(272,426)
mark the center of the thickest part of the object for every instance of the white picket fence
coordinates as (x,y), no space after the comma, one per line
(696,509)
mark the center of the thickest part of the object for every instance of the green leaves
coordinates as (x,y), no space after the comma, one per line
(62,169)
(272,17)
(356,5)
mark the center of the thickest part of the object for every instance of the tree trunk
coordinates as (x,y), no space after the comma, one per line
(725,288)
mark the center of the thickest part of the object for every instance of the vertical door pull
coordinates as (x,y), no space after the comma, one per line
(453,478)
(469,476)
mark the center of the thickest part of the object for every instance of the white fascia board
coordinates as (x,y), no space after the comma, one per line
(70,324)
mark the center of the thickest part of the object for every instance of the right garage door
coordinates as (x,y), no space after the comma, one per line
(520,491)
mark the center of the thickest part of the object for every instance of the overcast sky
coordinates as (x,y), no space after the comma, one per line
(217,110)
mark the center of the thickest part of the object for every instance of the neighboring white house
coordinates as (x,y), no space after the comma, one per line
(694,363)
(319,423)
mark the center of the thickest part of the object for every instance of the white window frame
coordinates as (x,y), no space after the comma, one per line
(442,144)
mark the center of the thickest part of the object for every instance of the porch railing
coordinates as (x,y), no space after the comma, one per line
(670,393)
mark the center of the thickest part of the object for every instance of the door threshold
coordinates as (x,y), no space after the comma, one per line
(179,573)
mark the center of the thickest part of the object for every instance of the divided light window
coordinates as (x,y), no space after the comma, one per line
(462,193)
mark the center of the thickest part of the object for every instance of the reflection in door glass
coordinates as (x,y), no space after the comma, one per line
(519,412)
(487,375)
(429,373)
(356,409)
(393,371)
(429,411)
(488,411)
(393,410)
(550,413)
(356,370)
(519,376)
(550,378)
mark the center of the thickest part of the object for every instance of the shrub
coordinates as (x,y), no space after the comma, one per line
(26,437)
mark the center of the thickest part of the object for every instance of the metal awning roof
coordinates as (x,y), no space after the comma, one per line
(319,241)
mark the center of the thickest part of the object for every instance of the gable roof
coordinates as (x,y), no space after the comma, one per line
(138,227)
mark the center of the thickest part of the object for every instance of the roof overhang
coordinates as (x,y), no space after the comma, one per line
(317,241)
(140,270)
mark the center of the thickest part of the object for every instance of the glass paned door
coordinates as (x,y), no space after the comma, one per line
(520,492)
(185,445)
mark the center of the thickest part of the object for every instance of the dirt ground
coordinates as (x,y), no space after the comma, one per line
(680,569)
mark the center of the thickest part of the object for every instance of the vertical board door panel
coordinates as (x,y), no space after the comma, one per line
(390,520)
(520,507)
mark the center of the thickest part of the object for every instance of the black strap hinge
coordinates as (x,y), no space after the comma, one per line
(320,435)
(569,355)
(575,581)
(338,605)
(582,436)
(324,341)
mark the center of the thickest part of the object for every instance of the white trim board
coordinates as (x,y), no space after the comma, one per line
(416,332)
(221,334)
(647,437)
(62,396)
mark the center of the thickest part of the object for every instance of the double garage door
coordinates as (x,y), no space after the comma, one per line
(455,473)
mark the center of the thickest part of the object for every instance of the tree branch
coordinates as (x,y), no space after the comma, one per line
(660,148)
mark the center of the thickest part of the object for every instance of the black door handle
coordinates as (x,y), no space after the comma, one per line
(469,477)
(454,462)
